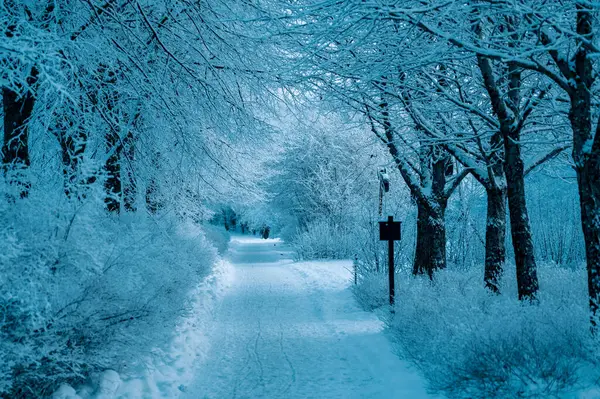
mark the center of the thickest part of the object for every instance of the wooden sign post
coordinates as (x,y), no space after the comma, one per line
(390,231)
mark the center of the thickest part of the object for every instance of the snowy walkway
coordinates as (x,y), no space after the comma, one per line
(293,330)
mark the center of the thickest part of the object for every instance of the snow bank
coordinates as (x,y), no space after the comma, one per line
(470,343)
(82,291)
(168,375)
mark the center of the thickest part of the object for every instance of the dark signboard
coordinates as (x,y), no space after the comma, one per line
(390,230)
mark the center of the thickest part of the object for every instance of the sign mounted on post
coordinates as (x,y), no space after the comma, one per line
(390,231)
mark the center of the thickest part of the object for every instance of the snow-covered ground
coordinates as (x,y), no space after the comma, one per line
(264,326)
(167,372)
(293,330)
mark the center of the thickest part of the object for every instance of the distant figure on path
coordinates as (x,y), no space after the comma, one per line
(264,231)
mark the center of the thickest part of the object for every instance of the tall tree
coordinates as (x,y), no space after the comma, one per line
(556,40)
(431,183)
(19,96)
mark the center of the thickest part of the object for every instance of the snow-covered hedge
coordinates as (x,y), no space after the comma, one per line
(469,343)
(81,290)
(322,240)
(371,292)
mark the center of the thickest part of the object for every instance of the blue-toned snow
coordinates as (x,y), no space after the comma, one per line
(293,330)
(266,327)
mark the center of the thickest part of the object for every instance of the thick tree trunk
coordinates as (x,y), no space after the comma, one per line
(527,281)
(17,111)
(431,193)
(586,154)
(430,251)
(495,236)
(506,109)
(588,178)
(15,146)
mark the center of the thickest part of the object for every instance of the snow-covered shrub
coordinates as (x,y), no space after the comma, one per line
(371,291)
(322,240)
(81,290)
(469,343)
(218,236)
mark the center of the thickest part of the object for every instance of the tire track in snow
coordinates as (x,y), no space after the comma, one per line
(261,371)
(288,361)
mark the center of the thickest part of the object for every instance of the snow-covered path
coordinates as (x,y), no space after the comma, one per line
(293,330)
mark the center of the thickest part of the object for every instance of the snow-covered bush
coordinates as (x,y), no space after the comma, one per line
(82,290)
(322,240)
(218,236)
(469,343)
(371,292)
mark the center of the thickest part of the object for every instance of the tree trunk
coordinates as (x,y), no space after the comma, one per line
(588,177)
(152,202)
(72,150)
(15,146)
(506,110)
(430,192)
(225,219)
(430,251)
(112,184)
(153,198)
(495,236)
(586,155)
(527,281)
(130,189)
